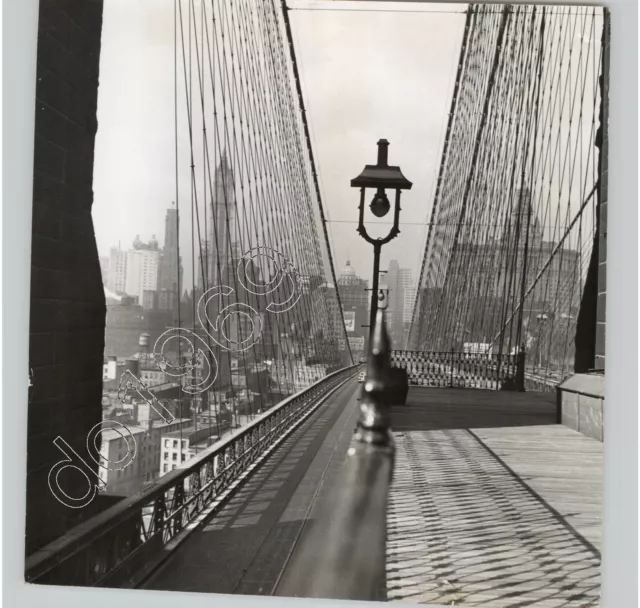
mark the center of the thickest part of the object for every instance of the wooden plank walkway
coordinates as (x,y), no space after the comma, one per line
(492,503)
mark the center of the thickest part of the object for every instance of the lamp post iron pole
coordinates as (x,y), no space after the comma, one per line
(377,248)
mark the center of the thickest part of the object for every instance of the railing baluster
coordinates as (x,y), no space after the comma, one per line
(470,370)
(452,364)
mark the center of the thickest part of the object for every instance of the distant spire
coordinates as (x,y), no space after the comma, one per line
(224,161)
(224,167)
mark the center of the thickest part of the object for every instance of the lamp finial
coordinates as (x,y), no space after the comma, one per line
(383,153)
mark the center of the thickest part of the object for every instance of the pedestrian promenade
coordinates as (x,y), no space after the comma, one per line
(492,503)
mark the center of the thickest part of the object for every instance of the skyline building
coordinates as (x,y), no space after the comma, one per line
(142,268)
(355,305)
(409,301)
(170,271)
(117,273)
(399,282)
(518,262)
(523,223)
(221,249)
(147,272)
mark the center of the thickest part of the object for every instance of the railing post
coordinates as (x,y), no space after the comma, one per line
(520,370)
(452,364)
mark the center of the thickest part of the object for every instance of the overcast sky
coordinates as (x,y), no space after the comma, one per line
(376,70)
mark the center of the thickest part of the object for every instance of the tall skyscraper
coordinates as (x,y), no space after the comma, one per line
(170,264)
(117,274)
(222,240)
(398,281)
(409,301)
(171,229)
(218,260)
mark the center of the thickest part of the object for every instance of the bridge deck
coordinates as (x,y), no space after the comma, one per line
(492,505)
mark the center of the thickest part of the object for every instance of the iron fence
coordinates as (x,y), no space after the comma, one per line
(123,544)
(461,370)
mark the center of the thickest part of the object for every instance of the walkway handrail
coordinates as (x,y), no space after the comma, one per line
(342,555)
(123,544)
(537,383)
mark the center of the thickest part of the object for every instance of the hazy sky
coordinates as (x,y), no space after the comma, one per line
(369,71)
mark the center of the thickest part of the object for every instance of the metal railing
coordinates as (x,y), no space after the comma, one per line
(122,545)
(461,370)
(537,383)
(342,554)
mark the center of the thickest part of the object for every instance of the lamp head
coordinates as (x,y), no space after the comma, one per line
(380,204)
(382,175)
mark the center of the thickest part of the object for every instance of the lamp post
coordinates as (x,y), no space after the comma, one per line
(542,321)
(380,177)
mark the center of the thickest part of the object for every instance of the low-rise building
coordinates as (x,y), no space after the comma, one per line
(119,444)
(180,445)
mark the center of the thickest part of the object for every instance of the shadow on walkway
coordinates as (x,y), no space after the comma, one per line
(432,408)
(492,503)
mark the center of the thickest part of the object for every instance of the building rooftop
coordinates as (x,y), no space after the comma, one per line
(185,432)
(348,270)
(111,434)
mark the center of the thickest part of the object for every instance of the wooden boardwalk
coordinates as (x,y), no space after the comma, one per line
(492,504)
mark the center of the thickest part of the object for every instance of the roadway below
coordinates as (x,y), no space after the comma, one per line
(245,546)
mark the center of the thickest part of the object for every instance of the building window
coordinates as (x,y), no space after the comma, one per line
(166,456)
(166,443)
(183,458)
(174,466)
(165,468)
(184,445)
(175,444)
(175,456)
